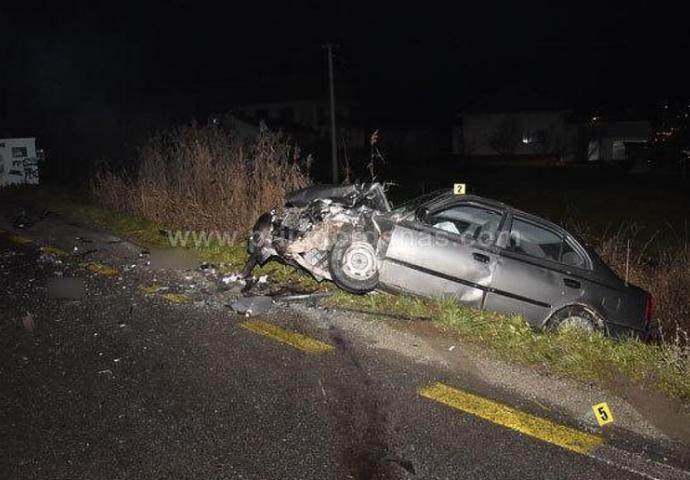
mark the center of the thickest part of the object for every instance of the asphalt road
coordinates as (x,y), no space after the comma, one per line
(123,385)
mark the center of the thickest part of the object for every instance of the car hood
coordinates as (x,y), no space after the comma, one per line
(370,195)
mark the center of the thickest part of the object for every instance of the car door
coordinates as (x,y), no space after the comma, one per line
(537,270)
(445,252)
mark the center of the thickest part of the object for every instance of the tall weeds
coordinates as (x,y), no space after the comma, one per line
(666,275)
(204,178)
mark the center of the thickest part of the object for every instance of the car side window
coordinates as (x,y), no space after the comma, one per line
(470,221)
(533,240)
(536,241)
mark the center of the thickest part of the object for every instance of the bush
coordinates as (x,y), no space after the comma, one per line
(204,178)
(666,275)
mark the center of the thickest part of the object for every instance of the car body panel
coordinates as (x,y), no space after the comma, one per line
(430,262)
(527,289)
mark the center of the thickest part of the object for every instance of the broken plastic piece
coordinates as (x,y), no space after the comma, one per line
(252,305)
(303,297)
(49,259)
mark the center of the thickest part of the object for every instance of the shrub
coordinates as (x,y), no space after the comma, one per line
(666,275)
(205,178)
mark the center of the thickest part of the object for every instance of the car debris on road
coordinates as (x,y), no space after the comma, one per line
(252,305)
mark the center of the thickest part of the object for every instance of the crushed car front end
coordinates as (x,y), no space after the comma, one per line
(331,231)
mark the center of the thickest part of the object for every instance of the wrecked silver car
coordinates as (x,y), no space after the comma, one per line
(482,252)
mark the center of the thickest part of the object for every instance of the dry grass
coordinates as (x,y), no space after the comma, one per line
(666,275)
(204,178)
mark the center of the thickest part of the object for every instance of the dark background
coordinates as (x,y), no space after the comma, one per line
(92,79)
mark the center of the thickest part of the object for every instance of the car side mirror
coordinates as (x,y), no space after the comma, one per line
(423,214)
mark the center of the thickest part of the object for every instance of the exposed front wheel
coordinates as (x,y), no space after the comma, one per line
(354,264)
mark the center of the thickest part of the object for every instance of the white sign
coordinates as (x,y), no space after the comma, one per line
(18,161)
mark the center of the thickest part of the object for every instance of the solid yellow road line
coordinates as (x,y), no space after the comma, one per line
(288,337)
(537,427)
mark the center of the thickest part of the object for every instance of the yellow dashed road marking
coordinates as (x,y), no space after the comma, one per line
(53,251)
(176,297)
(101,269)
(294,339)
(500,414)
(154,289)
(150,290)
(20,239)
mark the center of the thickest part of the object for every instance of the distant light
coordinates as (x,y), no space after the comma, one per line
(595,118)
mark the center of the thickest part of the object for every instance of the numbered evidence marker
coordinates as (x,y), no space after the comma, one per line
(459,189)
(603,414)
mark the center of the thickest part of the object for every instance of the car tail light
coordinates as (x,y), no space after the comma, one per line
(648,308)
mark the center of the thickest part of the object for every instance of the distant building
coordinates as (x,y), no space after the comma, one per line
(614,140)
(18,161)
(514,122)
(519,124)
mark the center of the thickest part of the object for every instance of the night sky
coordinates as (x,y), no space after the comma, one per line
(99,72)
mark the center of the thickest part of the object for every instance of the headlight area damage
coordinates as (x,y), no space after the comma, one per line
(331,231)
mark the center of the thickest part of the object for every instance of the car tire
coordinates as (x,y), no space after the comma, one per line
(354,264)
(574,316)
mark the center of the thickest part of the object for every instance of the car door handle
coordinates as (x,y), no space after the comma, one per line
(480,257)
(569,282)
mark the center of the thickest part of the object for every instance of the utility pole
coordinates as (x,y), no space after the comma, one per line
(334,145)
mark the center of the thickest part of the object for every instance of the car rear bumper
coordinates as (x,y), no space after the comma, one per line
(625,331)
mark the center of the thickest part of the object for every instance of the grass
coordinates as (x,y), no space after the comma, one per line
(571,353)
(202,178)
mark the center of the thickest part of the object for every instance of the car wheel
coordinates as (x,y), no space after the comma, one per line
(354,264)
(574,317)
